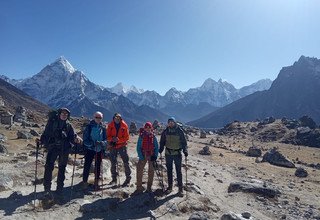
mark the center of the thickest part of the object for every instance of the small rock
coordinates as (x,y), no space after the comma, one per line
(246,215)
(199,216)
(6,182)
(23,135)
(230,216)
(34,133)
(300,172)
(254,152)
(205,151)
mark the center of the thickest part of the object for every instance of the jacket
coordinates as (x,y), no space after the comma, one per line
(92,133)
(122,134)
(147,146)
(174,140)
(58,134)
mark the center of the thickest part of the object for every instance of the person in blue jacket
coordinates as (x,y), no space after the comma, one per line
(147,149)
(95,142)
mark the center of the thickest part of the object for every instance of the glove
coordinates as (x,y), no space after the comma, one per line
(185,153)
(153,158)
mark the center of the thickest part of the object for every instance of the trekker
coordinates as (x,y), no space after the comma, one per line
(94,142)
(118,136)
(147,149)
(57,137)
(174,140)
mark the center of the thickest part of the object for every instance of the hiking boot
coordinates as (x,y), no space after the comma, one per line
(180,192)
(138,191)
(169,189)
(58,197)
(126,182)
(47,195)
(113,182)
(84,185)
(149,189)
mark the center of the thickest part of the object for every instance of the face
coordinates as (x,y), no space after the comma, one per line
(147,129)
(64,115)
(171,123)
(98,118)
(117,119)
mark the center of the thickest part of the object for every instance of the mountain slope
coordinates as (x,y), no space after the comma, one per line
(14,97)
(294,93)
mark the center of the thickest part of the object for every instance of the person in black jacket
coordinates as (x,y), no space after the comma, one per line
(57,137)
(174,140)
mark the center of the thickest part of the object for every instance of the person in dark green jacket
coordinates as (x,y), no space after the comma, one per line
(174,140)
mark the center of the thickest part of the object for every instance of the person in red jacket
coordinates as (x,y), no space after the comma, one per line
(118,136)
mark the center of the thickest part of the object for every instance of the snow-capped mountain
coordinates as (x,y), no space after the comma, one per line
(60,84)
(121,89)
(294,93)
(217,94)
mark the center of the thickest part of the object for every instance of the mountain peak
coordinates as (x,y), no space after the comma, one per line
(63,64)
(303,60)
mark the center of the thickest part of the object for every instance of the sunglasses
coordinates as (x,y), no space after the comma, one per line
(98,117)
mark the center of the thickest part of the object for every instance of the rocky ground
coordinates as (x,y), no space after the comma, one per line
(229,176)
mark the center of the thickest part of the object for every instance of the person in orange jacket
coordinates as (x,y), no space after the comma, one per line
(118,136)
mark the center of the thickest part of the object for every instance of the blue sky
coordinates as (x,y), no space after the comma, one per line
(157,45)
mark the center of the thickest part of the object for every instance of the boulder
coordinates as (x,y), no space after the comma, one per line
(23,135)
(156,124)
(254,152)
(308,137)
(133,128)
(300,172)
(274,157)
(203,134)
(34,133)
(205,151)
(231,216)
(3,149)
(307,121)
(199,216)
(257,188)
(6,182)
(20,114)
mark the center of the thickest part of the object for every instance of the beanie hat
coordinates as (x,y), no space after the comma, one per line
(172,119)
(148,124)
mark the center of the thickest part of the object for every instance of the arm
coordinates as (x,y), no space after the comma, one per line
(44,139)
(183,143)
(162,141)
(139,150)
(156,146)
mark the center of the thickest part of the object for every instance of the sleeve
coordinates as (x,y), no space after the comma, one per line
(156,146)
(45,135)
(183,141)
(162,141)
(109,134)
(139,148)
(71,135)
(87,142)
(104,138)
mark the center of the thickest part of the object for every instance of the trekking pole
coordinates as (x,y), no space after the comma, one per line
(161,158)
(156,168)
(73,169)
(96,170)
(36,173)
(186,165)
(101,168)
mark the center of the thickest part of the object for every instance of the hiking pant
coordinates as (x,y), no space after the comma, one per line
(88,158)
(125,158)
(177,159)
(140,166)
(52,155)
